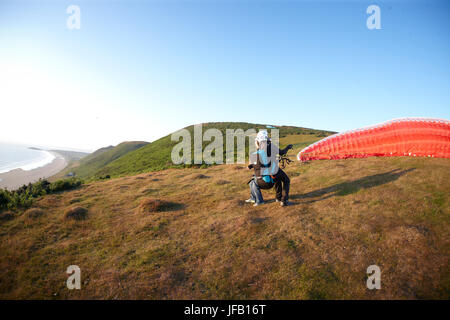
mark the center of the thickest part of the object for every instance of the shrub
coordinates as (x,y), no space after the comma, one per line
(23,197)
(152,205)
(34,213)
(66,184)
(20,200)
(76,213)
(40,188)
(4,199)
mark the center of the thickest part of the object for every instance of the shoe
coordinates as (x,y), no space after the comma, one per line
(276,200)
(284,203)
(250,200)
(258,204)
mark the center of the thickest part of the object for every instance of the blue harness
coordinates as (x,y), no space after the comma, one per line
(268,168)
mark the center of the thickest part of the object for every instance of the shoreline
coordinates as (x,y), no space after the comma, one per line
(16,178)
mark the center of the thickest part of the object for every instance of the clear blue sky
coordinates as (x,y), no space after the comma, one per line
(138,70)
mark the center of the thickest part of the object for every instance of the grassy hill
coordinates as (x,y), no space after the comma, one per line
(157,155)
(88,166)
(188,234)
(71,155)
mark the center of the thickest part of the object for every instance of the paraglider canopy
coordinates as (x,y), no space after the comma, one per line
(418,137)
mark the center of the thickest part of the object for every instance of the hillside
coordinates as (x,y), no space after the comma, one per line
(204,242)
(88,166)
(72,156)
(157,155)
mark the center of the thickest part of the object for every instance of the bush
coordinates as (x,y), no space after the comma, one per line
(4,199)
(63,185)
(40,188)
(76,213)
(34,213)
(152,205)
(23,197)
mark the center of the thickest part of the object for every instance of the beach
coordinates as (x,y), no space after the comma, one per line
(14,179)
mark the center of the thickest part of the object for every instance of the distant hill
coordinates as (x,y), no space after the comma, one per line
(157,155)
(71,155)
(98,152)
(88,166)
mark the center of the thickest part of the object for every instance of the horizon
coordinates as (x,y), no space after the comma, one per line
(138,71)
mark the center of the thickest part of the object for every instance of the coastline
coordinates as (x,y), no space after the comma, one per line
(16,178)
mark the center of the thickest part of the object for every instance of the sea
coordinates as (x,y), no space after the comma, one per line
(19,156)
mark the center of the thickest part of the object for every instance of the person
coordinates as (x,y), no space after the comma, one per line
(267,173)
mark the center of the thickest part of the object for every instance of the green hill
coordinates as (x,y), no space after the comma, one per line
(98,153)
(88,166)
(157,155)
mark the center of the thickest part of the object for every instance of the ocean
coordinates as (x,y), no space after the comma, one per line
(17,156)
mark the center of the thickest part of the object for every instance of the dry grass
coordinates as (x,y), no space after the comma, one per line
(5,216)
(149,205)
(346,215)
(76,213)
(34,213)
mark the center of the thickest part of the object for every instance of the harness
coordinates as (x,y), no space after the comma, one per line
(267,167)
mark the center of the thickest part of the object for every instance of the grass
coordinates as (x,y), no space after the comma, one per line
(34,213)
(206,243)
(76,213)
(150,205)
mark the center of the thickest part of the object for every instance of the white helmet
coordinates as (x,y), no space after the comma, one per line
(262,136)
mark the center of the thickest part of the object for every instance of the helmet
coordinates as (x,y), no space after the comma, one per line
(262,136)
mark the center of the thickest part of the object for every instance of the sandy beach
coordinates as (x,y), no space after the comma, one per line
(16,178)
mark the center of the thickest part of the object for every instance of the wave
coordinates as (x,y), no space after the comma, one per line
(27,165)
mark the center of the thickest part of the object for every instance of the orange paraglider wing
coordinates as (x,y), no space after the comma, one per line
(417,137)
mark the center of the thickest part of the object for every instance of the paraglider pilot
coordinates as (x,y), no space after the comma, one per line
(267,173)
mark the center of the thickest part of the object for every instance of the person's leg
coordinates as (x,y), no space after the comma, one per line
(283,179)
(286,186)
(255,192)
(252,197)
(278,189)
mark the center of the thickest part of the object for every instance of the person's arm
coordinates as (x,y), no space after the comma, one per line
(254,158)
(282,152)
(257,165)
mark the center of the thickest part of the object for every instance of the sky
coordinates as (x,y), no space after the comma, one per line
(139,70)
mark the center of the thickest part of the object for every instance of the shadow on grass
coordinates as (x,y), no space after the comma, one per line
(346,188)
(150,205)
(174,206)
